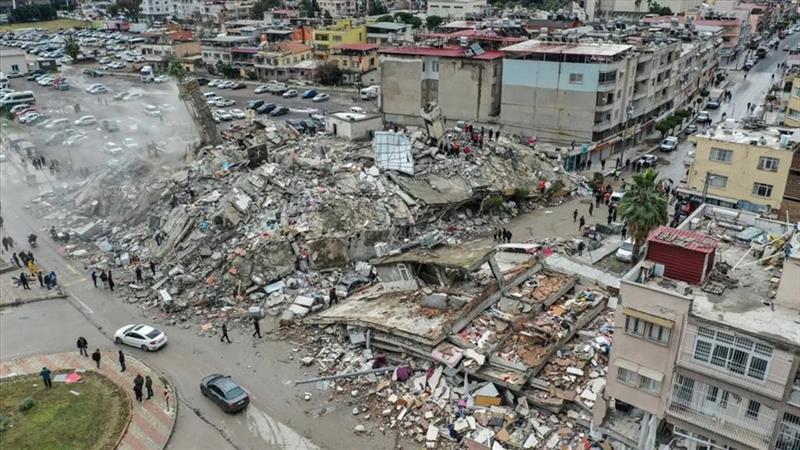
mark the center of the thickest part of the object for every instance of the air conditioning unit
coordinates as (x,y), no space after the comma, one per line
(684,289)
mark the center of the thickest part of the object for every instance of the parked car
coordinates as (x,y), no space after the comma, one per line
(112,148)
(266,108)
(226,393)
(144,337)
(321,98)
(152,111)
(669,144)
(309,94)
(237,113)
(625,251)
(130,143)
(97,89)
(221,103)
(237,86)
(224,115)
(160,79)
(279,111)
(85,121)
(261,88)
(290,93)
(254,104)
(690,129)
(703,117)
(58,124)
(648,160)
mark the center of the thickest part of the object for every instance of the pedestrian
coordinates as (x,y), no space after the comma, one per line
(627,164)
(121,361)
(40,278)
(32,267)
(257,327)
(508,236)
(748,106)
(104,279)
(333,299)
(618,163)
(614,215)
(574,215)
(148,384)
(166,396)
(138,274)
(45,373)
(225,334)
(82,346)
(5,244)
(581,223)
(137,392)
(23,280)
(47,281)
(603,164)
(96,358)
(53,279)
(94,277)
(616,174)
(591,208)
(609,218)
(110,281)
(624,232)
(153,268)
(16,259)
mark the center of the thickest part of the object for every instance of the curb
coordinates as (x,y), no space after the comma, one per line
(20,301)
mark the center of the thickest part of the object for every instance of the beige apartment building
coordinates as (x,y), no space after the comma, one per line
(707,338)
(792,117)
(739,168)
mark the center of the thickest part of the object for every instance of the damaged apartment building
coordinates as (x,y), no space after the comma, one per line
(707,352)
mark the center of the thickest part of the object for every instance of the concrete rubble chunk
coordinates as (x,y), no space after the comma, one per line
(432,435)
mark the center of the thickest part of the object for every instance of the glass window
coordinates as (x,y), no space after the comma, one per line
(757,368)
(762,190)
(576,78)
(717,181)
(658,334)
(404,274)
(628,377)
(650,385)
(702,351)
(752,409)
(721,155)
(769,164)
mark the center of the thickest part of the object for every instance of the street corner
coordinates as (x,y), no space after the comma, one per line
(13,293)
(152,420)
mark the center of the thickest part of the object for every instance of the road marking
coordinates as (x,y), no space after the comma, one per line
(69,266)
(82,304)
(79,280)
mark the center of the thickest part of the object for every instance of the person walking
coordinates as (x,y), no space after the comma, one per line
(574,215)
(148,384)
(138,272)
(257,327)
(153,268)
(137,389)
(23,280)
(623,232)
(96,358)
(508,235)
(82,346)
(333,299)
(53,279)
(591,208)
(94,278)
(581,223)
(122,361)
(104,279)
(603,164)
(225,334)
(47,281)
(16,259)
(45,373)
(110,281)
(166,397)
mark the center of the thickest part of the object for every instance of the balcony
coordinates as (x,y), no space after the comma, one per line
(639,93)
(702,405)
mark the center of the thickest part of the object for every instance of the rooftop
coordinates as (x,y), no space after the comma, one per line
(467,256)
(443,52)
(357,47)
(389,26)
(594,49)
(731,132)
(228,39)
(740,289)
(688,239)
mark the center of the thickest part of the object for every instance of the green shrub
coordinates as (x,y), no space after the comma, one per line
(520,194)
(493,202)
(26,404)
(5,423)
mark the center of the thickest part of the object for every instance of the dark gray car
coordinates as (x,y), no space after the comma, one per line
(226,393)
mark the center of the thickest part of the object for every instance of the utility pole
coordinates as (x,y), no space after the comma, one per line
(628,116)
(706,183)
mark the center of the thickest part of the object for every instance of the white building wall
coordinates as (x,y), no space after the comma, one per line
(456,9)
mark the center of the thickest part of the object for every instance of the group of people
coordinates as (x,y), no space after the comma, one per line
(138,383)
(105,277)
(502,235)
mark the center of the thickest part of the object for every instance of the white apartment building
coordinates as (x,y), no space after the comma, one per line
(707,336)
(339,8)
(153,10)
(598,9)
(456,9)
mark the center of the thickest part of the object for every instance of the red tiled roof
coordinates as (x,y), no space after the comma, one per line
(443,52)
(357,47)
(181,35)
(690,240)
(250,50)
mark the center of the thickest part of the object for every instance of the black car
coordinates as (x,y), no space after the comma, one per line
(279,111)
(266,108)
(254,104)
(223,391)
(202,81)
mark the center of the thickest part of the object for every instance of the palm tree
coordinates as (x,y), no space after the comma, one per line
(177,70)
(71,47)
(644,207)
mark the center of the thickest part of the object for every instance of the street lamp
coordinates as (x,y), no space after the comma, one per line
(628,116)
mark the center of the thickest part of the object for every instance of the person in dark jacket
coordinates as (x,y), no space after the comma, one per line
(45,373)
(225,334)
(257,327)
(96,357)
(82,346)
(23,280)
(148,384)
(333,299)
(122,361)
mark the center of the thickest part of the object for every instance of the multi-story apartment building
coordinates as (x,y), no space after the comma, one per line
(160,48)
(280,60)
(457,9)
(388,33)
(598,9)
(343,32)
(465,84)
(221,48)
(354,60)
(339,8)
(739,168)
(707,336)
(792,116)
(156,10)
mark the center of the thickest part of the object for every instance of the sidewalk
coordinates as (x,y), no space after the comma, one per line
(151,423)
(11,295)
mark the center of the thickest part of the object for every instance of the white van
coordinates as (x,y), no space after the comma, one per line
(17,98)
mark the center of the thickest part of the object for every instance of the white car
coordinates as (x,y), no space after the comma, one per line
(290,93)
(226,84)
(669,144)
(58,124)
(152,111)
(224,102)
(625,251)
(260,89)
(112,148)
(130,143)
(44,81)
(214,99)
(144,337)
(224,115)
(161,79)
(85,121)
(321,98)
(237,113)
(132,96)
(97,89)
(74,139)
(214,83)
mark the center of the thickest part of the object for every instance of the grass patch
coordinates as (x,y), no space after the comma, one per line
(50,25)
(59,419)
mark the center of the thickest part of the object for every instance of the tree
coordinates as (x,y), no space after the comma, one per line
(328,74)
(386,18)
(71,47)
(432,22)
(127,8)
(32,13)
(655,8)
(376,8)
(309,8)
(262,6)
(408,18)
(225,69)
(177,70)
(644,207)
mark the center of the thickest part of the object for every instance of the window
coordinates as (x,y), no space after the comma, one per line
(762,190)
(633,379)
(789,435)
(652,332)
(405,275)
(423,66)
(752,409)
(628,377)
(797,92)
(794,113)
(434,66)
(608,77)
(721,155)
(576,78)
(659,334)
(717,181)
(734,354)
(634,325)
(337,38)
(650,385)
(15,68)
(769,164)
